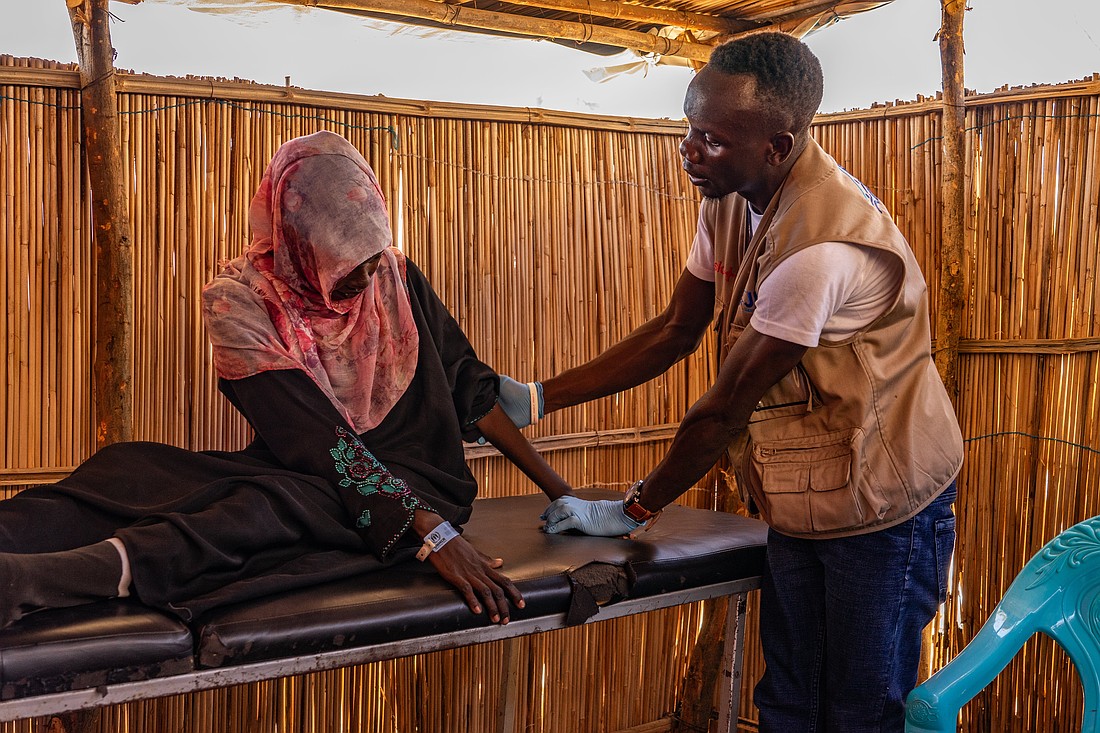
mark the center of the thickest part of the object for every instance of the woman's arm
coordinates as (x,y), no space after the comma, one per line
(300,427)
(503,434)
(304,433)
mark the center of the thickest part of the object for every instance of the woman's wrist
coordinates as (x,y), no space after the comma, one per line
(443,533)
(424,522)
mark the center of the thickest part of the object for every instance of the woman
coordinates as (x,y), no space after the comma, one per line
(359,386)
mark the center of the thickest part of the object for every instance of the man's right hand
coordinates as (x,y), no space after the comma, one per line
(600,518)
(515,400)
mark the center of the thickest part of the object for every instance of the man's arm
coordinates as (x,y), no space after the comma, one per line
(648,351)
(754,364)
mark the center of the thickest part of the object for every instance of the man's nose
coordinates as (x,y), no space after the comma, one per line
(688,151)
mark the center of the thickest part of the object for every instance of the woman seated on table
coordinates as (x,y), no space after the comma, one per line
(359,386)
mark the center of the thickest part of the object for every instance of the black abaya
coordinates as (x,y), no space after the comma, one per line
(306,501)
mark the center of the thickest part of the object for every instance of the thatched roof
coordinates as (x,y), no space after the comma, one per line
(680,29)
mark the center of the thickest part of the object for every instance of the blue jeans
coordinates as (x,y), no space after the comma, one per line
(841,622)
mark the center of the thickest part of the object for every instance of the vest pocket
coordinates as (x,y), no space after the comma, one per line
(806,483)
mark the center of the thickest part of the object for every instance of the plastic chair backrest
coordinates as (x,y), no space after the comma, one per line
(1057,593)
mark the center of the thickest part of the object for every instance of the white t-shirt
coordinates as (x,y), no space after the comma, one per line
(829,291)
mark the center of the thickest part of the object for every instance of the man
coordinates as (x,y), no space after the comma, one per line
(839,429)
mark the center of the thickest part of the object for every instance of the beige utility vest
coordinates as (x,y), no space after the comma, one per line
(861,434)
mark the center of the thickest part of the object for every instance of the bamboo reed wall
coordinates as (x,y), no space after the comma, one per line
(550,236)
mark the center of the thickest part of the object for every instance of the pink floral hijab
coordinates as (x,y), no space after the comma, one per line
(317,216)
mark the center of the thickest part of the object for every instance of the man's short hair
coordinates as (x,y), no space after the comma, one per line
(788,75)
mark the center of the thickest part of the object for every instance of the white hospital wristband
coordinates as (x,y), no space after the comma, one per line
(435,539)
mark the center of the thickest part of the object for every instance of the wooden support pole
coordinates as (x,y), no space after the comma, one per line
(704,668)
(733,655)
(706,664)
(953,186)
(111,222)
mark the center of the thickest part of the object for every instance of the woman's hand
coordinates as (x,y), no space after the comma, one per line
(474,575)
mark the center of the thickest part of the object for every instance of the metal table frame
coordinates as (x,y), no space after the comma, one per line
(204,679)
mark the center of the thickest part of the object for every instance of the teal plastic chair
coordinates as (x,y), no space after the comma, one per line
(1057,593)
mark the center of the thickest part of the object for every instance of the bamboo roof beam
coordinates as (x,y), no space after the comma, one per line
(460,16)
(801,11)
(788,19)
(615,10)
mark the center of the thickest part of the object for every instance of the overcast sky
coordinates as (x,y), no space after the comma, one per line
(884,55)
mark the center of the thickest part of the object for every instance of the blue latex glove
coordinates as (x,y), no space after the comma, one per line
(515,400)
(600,518)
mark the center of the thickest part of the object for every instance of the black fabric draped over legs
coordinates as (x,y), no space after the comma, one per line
(200,529)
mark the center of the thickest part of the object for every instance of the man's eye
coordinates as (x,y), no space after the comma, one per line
(711,141)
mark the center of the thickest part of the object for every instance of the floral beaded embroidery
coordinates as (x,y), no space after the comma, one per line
(366,474)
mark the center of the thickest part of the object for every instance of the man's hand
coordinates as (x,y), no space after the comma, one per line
(600,518)
(474,575)
(515,399)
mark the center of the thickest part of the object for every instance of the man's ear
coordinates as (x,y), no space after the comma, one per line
(782,145)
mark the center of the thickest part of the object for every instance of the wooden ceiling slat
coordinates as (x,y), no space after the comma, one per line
(807,9)
(458,16)
(614,10)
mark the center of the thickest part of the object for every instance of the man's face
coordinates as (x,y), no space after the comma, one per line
(729,136)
